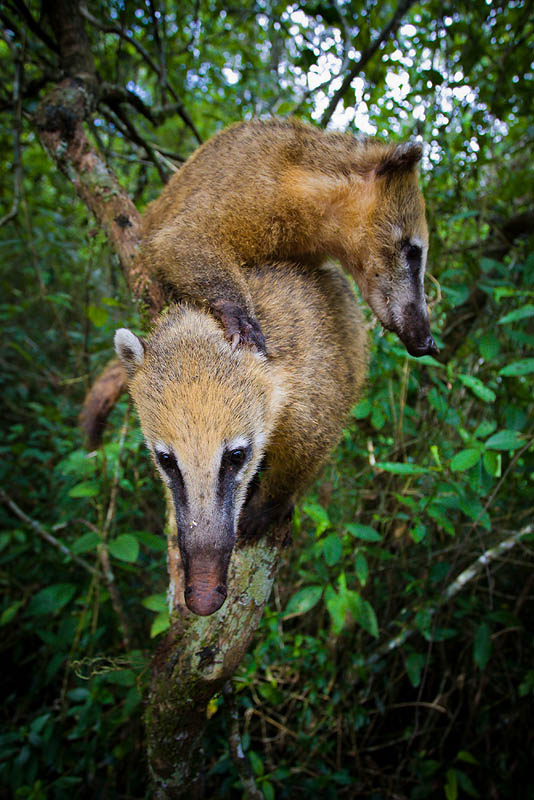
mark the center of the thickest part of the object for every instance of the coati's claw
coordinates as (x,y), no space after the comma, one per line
(239,327)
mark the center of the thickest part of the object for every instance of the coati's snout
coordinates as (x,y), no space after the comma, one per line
(393,285)
(205,582)
(405,314)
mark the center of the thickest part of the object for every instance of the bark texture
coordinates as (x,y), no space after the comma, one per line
(196,659)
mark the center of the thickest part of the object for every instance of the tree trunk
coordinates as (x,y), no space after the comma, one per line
(196,659)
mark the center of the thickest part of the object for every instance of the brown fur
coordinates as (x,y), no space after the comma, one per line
(195,395)
(268,190)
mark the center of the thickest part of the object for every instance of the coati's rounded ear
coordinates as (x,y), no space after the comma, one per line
(130,349)
(403,158)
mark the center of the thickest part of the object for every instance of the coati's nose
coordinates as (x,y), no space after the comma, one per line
(427,348)
(204,600)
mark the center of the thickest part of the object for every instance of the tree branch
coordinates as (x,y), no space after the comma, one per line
(48,537)
(180,108)
(453,589)
(365,57)
(197,658)
(241,762)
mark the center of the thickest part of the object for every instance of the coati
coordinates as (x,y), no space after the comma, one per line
(213,414)
(264,190)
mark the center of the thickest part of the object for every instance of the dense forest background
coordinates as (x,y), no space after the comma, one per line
(396,659)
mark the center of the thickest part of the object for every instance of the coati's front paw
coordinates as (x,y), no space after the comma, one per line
(239,327)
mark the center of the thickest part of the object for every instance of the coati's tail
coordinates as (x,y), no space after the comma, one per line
(100,399)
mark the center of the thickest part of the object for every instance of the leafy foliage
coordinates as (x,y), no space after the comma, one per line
(436,464)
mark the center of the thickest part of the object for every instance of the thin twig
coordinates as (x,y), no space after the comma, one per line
(149,60)
(38,528)
(237,754)
(103,549)
(456,586)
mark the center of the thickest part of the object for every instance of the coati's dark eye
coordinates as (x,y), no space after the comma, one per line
(237,457)
(413,255)
(167,462)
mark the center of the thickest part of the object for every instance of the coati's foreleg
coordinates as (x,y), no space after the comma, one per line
(207,274)
(261,513)
(270,500)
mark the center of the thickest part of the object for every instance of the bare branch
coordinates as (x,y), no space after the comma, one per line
(130,132)
(34,26)
(48,537)
(365,57)
(180,108)
(456,586)
(241,762)
(114,95)
(103,550)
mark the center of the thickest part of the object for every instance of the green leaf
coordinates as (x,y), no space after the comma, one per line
(303,600)
(518,368)
(364,532)
(362,568)
(465,459)
(478,388)
(489,346)
(89,541)
(161,623)
(414,663)
(451,786)
(402,469)
(517,314)
(158,543)
(377,418)
(492,463)
(418,532)
(319,515)
(337,605)
(155,602)
(464,755)
(10,612)
(257,763)
(84,489)
(51,599)
(268,790)
(504,440)
(124,547)
(97,315)
(363,613)
(361,409)
(332,549)
(482,646)
(484,429)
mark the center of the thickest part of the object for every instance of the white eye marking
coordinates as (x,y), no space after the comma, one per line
(159,449)
(239,443)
